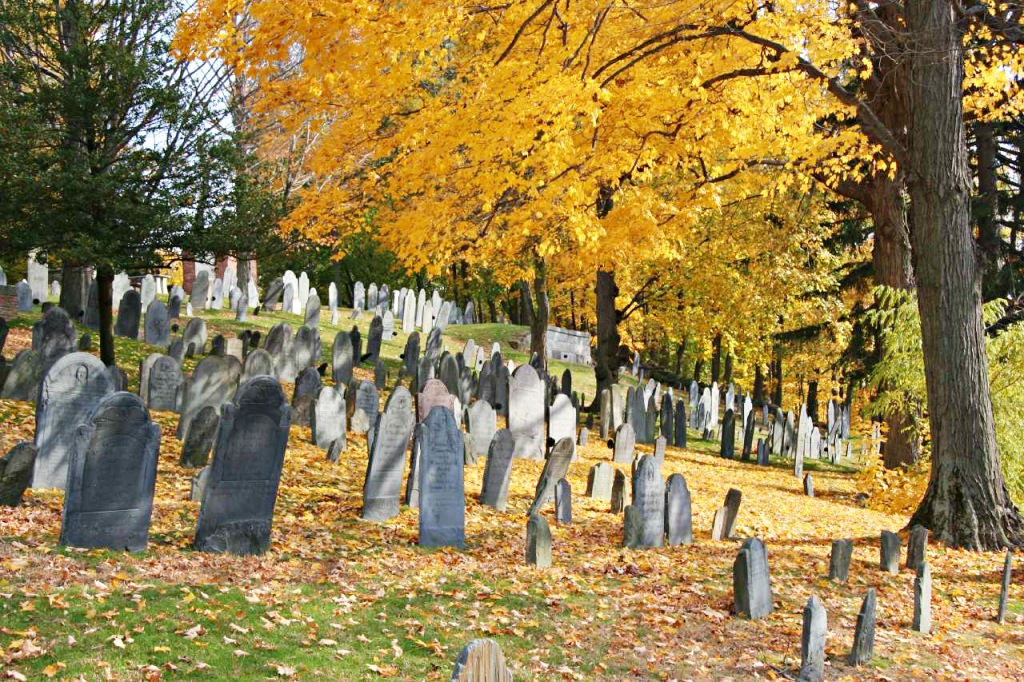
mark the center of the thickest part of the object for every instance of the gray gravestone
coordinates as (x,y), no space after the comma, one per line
(864,634)
(498,471)
(24,296)
(367,405)
(238,502)
(312,314)
(23,381)
(649,504)
(625,444)
(678,512)
(916,546)
(752,588)
(538,542)
(383,484)
(923,599)
(1004,593)
(70,390)
(482,424)
(195,451)
(158,327)
(274,292)
(441,498)
(563,503)
(341,359)
(890,552)
(808,485)
(163,381)
(201,291)
(481,661)
(621,493)
(195,333)
(307,388)
(599,482)
(212,383)
(526,414)
(373,339)
(329,417)
(305,349)
(388,329)
(562,422)
(129,314)
(53,336)
(812,642)
(839,561)
(16,473)
(584,436)
(555,469)
(111,477)
(257,363)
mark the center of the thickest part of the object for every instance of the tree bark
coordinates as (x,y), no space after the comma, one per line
(758,385)
(812,400)
(698,369)
(74,290)
(105,300)
(540,313)
(727,378)
(777,376)
(966,504)
(606,366)
(716,357)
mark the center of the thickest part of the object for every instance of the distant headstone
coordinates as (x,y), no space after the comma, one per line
(411,355)
(584,436)
(388,326)
(678,512)
(563,503)
(307,388)
(329,417)
(649,504)
(839,561)
(890,552)
(725,518)
(158,327)
(70,391)
(212,383)
(555,469)
(923,599)
(599,482)
(53,337)
(163,379)
(538,542)
(195,333)
(762,452)
(357,343)
(498,470)
(625,444)
(195,451)
(812,642)
(111,477)
(751,583)
(312,313)
(373,341)
(342,359)
(481,661)
(367,405)
(432,394)
(258,362)
(864,634)
(441,497)
(305,349)
(808,485)
(562,422)
(272,297)
(16,473)
(23,292)
(621,493)
(916,546)
(526,413)
(383,484)
(238,502)
(482,425)
(201,291)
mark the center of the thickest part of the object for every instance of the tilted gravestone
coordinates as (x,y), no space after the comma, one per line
(482,422)
(890,552)
(864,634)
(839,560)
(498,471)
(1004,593)
(23,381)
(752,590)
(725,518)
(917,544)
(383,484)
(111,477)
(812,642)
(538,542)
(481,661)
(16,473)
(129,314)
(238,502)
(307,388)
(555,469)
(329,417)
(621,493)
(70,390)
(678,512)
(212,383)
(648,504)
(367,404)
(441,497)
(158,326)
(599,482)
(195,451)
(526,413)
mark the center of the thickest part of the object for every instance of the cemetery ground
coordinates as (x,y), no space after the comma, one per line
(341,598)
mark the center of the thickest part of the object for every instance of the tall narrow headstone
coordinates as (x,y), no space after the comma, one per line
(625,444)
(916,546)
(563,503)
(329,417)
(923,599)
(383,484)
(751,583)
(678,512)
(649,503)
(538,542)
(526,413)
(890,552)
(442,498)
(599,482)
(812,642)
(864,634)
(839,561)
(555,469)
(1004,593)
(212,383)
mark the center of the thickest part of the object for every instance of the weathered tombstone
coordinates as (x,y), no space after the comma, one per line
(307,388)
(481,661)
(342,360)
(367,404)
(387,326)
(659,450)
(916,546)
(725,518)
(195,451)
(201,290)
(217,299)
(812,642)
(864,634)
(328,423)
(678,512)
(751,584)
(798,464)
(173,307)
(502,378)
(448,373)
(890,552)
(53,337)
(305,349)
(212,383)
(91,319)
(748,434)
(538,542)
(625,444)
(357,343)
(599,482)
(411,355)
(288,300)
(526,413)
(649,504)
(498,471)
(1004,593)
(128,315)
(442,498)
(24,296)
(808,485)
(433,393)
(839,561)
(238,502)
(555,469)
(312,312)
(70,390)
(584,436)
(562,422)
(563,503)
(158,328)
(762,452)
(22,383)
(16,473)
(680,430)
(257,363)
(621,493)
(241,308)
(923,599)
(163,379)
(219,345)
(111,477)
(272,297)
(482,424)
(195,333)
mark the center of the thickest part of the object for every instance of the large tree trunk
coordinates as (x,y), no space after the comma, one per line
(777,376)
(104,298)
(716,357)
(758,384)
(606,365)
(541,313)
(966,504)
(74,290)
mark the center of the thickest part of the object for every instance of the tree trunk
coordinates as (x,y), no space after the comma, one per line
(105,300)
(74,291)
(680,351)
(966,504)
(727,379)
(698,369)
(777,375)
(758,385)
(812,400)
(540,313)
(716,357)
(606,365)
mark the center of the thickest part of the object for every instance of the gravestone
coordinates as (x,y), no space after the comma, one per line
(584,436)
(158,327)
(257,363)
(16,473)
(433,394)
(621,493)
(238,502)
(1004,593)
(91,319)
(241,308)
(433,350)
(409,312)
(498,471)
(625,444)
(606,414)
(23,292)
(538,542)
(659,450)
(649,503)
(217,299)
(357,343)
(288,300)
(678,512)
(482,423)
(201,291)
(502,378)
(812,642)
(212,383)
(70,391)
(890,552)
(307,388)
(751,584)
(481,661)
(312,313)
(38,278)
(195,451)
(148,290)
(448,373)
(562,422)
(526,414)
(22,383)
(305,349)
(680,430)
(762,452)
(53,337)
(373,340)
(916,546)
(383,483)
(367,404)
(922,599)
(195,333)
(864,634)
(748,435)
(302,291)
(808,485)
(359,296)
(342,359)
(329,417)
(332,297)
(839,561)
(599,482)
(272,297)
(129,314)
(173,307)
(442,498)
(725,518)
(219,345)
(411,355)
(111,477)
(555,469)
(387,326)
(163,380)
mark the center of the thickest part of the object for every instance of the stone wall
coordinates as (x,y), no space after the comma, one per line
(569,345)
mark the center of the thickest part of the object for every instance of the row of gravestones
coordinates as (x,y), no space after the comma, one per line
(214,295)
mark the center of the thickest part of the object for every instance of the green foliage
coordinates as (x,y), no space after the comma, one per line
(899,380)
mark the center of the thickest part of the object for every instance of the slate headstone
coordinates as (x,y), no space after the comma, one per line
(890,552)
(526,414)
(555,469)
(16,473)
(195,451)
(329,417)
(923,599)
(649,503)
(563,503)
(482,423)
(839,560)
(498,471)
(307,388)
(751,583)
(599,482)
(163,381)
(625,444)
(23,381)
(864,634)
(212,383)
(367,404)
(383,484)
(538,542)
(678,512)
(442,498)
(812,642)
(621,493)
(917,544)
(53,337)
